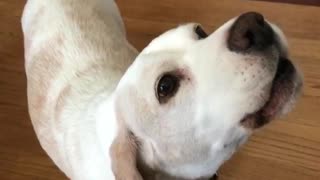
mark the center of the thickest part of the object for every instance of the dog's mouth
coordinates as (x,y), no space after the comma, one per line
(285,89)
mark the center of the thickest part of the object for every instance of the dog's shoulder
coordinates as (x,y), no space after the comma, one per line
(75,54)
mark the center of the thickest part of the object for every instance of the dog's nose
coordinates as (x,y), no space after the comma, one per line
(250,31)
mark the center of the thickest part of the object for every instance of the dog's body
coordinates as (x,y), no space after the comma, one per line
(76,53)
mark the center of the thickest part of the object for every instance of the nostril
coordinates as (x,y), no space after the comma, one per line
(249,34)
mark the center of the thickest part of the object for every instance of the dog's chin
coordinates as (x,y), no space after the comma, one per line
(284,92)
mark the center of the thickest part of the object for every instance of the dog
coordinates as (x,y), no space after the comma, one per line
(176,110)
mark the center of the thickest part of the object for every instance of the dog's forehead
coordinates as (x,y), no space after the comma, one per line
(183,37)
(177,38)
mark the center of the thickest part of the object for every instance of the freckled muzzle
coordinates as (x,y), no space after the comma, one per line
(251,33)
(286,85)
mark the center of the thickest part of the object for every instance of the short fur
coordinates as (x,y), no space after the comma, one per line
(94,111)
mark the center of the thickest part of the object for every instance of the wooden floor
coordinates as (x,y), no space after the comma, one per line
(288,149)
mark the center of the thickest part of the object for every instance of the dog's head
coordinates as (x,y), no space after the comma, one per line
(192,99)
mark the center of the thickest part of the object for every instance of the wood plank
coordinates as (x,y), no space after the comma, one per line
(286,149)
(303,2)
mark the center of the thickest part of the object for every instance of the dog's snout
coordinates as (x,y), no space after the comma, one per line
(250,31)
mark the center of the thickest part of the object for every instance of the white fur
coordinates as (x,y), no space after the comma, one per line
(198,129)
(73,92)
(78,139)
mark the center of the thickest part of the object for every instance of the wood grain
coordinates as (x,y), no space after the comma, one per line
(304,2)
(288,149)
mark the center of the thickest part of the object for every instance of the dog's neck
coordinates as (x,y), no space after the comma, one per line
(149,164)
(110,126)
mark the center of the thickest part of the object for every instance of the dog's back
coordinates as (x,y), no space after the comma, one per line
(75,54)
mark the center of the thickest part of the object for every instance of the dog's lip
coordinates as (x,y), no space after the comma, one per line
(283,89)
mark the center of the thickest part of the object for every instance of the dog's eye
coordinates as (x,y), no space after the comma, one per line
(200,32)
(167,87)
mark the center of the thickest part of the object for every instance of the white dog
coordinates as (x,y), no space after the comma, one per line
(180,110)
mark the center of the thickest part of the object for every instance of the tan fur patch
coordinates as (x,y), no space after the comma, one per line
(41,77)
(61,100)
(124,154)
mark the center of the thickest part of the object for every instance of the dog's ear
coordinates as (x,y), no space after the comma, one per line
(123,153)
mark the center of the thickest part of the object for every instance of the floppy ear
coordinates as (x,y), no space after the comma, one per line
(123,153)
